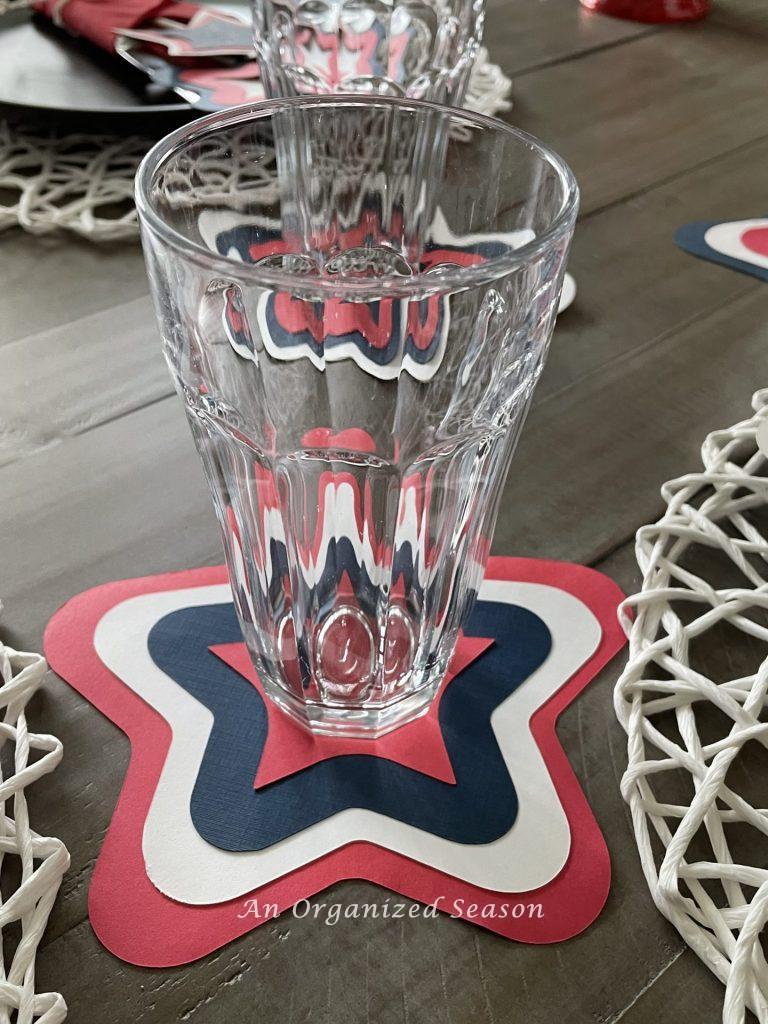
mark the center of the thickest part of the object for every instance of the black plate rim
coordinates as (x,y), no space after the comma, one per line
(32,114)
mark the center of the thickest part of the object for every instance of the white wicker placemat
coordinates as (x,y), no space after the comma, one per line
(687,730)
(84,183)
(43,860)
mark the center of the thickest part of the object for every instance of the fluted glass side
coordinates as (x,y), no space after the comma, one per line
(355,316)
(422,49)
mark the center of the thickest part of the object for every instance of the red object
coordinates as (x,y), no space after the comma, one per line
(756,239)
(97,20)
(289,748)
(654,12)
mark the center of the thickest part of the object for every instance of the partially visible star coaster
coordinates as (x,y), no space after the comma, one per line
(230,812)
(568,294)
(208,59)
(208,33)
(208,88)
(739,244)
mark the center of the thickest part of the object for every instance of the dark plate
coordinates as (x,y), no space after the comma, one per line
(49,79)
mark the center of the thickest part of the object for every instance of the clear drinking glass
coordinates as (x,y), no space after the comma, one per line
(423,49)
(355,298)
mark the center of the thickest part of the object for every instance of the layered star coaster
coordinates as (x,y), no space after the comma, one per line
(229,807)
(739,244)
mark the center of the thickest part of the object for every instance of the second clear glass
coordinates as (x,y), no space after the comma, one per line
(423,49)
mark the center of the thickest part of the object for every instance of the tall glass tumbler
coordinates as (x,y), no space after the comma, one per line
(355,302)
(422,49)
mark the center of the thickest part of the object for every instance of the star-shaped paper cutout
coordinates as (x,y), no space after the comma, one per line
(141,925)
(207,34)
(739,244)
(290,748)
(206,86)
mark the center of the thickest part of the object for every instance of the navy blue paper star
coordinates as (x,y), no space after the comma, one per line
(229,813)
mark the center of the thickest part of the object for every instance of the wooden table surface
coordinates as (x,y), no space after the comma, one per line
(99,481)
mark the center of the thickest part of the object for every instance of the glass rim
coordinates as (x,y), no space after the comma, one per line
(452,280)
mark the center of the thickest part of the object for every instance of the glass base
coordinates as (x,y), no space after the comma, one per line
(359,722)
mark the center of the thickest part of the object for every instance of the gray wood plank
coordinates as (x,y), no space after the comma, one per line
(592,457)
(128,497)
(522,38)
(741,18)
(684,991)
(630,116)
(54,280)
(635,285)
(70,378)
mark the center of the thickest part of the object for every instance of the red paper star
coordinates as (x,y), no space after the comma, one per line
(290,748)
